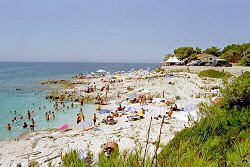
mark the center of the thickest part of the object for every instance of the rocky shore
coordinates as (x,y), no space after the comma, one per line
(182,88)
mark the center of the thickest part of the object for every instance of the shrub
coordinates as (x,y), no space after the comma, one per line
(213,74)
(220,137)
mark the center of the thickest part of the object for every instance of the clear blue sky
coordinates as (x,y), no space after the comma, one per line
(117,30)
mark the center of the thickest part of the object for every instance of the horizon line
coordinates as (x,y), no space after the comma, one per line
(74,62)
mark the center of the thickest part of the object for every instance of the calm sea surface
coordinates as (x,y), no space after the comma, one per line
(28,76)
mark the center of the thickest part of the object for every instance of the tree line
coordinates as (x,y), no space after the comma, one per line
(239,53)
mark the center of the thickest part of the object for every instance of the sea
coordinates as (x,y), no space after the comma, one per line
(27,76)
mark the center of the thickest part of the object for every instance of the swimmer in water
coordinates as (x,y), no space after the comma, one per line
(32,128)
(25,125)
(33,122)
(15,120)
(53,115)
(28,115)
(9,127)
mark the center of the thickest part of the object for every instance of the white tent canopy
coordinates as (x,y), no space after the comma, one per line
(173,60)
(101,70)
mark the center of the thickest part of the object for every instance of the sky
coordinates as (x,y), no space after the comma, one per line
(117,30)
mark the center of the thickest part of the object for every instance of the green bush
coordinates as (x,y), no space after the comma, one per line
(213,74)
(220,137)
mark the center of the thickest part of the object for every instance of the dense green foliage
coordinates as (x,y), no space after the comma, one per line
(213,51)
(235,52)
(221,137)
(214,74)
(240,53)
(187,52)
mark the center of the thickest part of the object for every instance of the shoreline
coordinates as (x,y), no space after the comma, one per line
(183,89)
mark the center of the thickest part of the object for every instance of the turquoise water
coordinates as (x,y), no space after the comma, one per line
(28,76)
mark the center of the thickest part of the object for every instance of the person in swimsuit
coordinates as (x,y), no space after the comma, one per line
(25,125)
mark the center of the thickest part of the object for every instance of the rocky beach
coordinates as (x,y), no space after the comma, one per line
(181,87)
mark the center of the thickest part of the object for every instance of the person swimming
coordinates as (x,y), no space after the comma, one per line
(28,115)
(8,127)
(25,125)
(15,120)
(47,116)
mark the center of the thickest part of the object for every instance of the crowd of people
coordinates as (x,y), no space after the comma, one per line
(22,118)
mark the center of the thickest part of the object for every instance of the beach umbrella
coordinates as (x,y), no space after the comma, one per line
(104,111)
(117,76)
(189,107)
(169,76)
(131,92)
(84,125)
(132,95)
(130,109)
(100,71)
